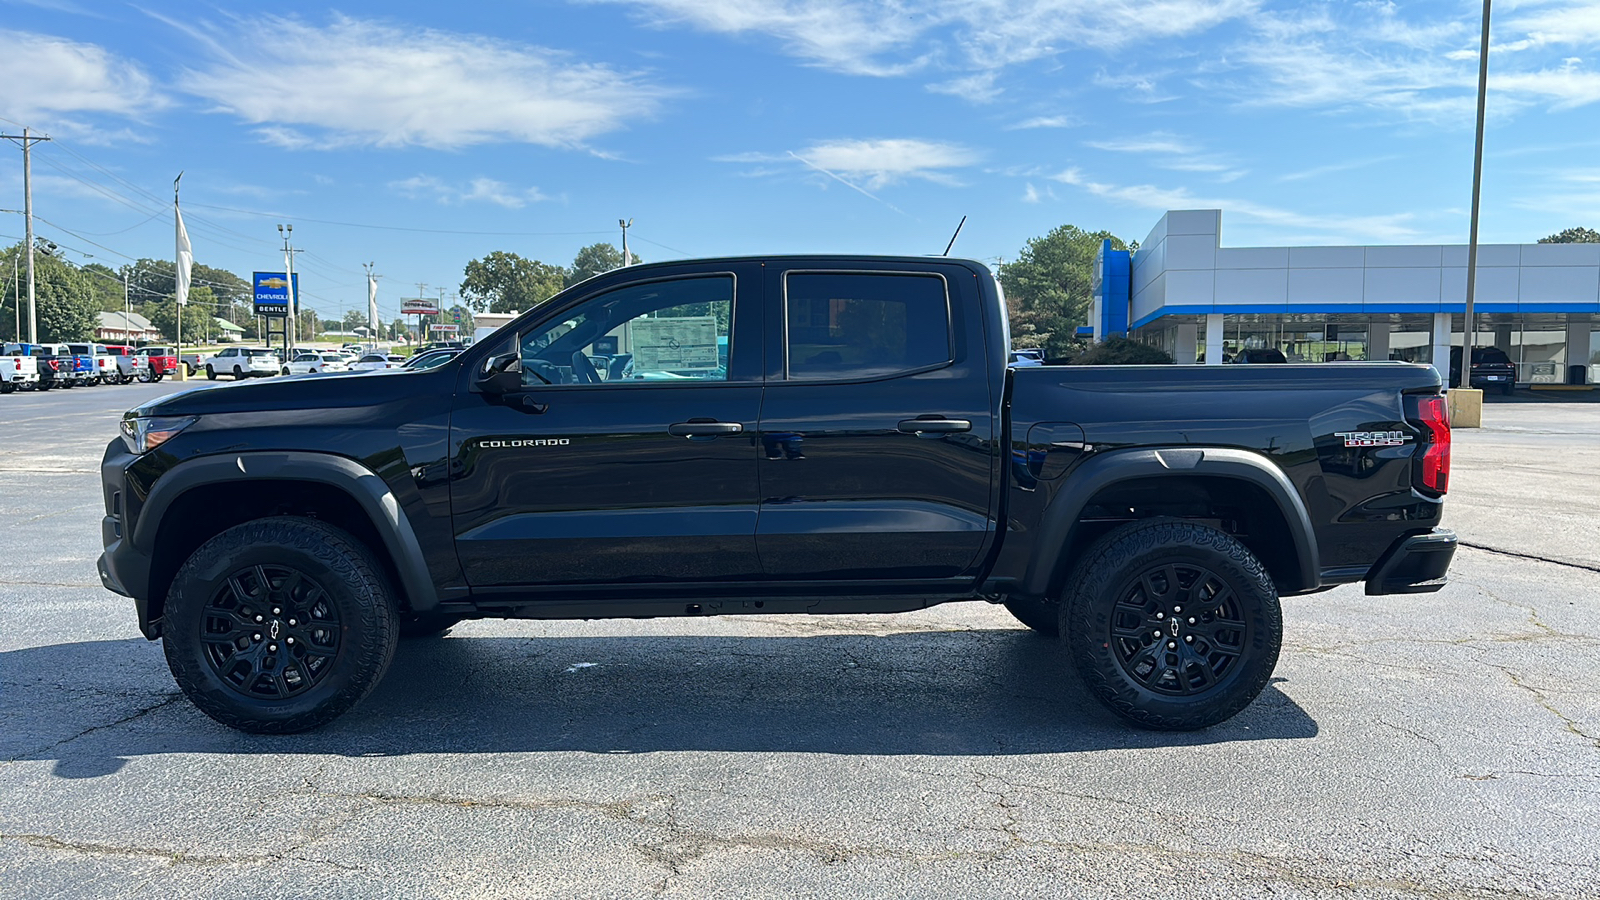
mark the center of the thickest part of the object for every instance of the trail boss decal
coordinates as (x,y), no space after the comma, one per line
(530,442)
(1373,438)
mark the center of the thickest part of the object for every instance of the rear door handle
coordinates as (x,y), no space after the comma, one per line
(934,425)
(695,428)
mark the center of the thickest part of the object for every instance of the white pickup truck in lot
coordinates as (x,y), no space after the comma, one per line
(105,365)
(18,372)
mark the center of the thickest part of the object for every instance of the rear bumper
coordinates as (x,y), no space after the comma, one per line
(1414,565)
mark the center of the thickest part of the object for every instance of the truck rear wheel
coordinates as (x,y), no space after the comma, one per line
(1173,626)
(279,625)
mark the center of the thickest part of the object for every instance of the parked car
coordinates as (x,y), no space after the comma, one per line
(310,361)
(18,372)
(870,464)
(429,359)
(241,362)
(103,366)
(1261,355)
(1491,367)
(374,362)
(123,354)
(154,363)
(54,371)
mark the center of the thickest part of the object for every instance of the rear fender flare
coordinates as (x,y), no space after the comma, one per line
(370,492)
(1060,520)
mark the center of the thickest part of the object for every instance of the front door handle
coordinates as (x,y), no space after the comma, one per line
(701,428)
(934,425)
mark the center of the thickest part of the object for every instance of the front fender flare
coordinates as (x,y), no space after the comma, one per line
(1104,470)
(370,492)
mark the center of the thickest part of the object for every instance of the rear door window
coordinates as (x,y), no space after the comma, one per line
(851,325)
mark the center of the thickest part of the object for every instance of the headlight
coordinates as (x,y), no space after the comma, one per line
(145,434)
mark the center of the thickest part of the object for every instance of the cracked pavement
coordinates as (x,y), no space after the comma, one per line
(1431,746)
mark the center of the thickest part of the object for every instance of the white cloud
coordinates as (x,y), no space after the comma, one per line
(1157,142)
(1319,226)
(1370,56)
(877,163)
(975,88)
(362,82)
(52,83)
(1030,194)
(478,190)
(1334,168)
(890,37)
(1045,122)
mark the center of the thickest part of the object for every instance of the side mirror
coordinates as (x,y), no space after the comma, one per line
(501,374)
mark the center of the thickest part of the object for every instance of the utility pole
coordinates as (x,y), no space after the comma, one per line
(627,258)
(127,320)
(16,296)
(291,332)
(27,140)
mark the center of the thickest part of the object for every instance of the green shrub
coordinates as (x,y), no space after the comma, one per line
(1120,351)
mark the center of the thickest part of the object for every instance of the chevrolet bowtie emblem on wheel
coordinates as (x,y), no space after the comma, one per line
(1172,626)
(274,629)
(1373,438)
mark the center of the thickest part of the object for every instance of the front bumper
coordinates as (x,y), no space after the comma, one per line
(123,568)
(1414,565)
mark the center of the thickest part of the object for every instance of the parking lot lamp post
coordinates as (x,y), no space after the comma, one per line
(1477,182)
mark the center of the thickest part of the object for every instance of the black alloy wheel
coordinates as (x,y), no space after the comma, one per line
(270,632)
(279,625)
(1173,625)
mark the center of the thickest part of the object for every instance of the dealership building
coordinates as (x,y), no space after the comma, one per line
(1205,303)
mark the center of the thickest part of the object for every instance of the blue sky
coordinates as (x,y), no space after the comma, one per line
(385,131)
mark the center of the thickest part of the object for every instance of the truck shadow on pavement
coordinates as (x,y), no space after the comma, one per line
(91,706)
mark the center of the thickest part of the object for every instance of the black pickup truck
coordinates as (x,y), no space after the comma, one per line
(778,435)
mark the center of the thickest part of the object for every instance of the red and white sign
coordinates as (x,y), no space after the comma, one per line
(419,306)
(447,329)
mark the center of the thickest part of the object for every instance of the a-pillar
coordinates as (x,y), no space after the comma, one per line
(1441,345)
(1579,345)
(1378,340)
(1187,344)
(1214,339)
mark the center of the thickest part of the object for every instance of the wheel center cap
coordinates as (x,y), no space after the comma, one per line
(277,629)
(1172,627)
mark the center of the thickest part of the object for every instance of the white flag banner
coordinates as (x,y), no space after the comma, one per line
(372,305)
(185,259)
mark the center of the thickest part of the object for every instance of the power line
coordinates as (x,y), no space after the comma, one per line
(251,212)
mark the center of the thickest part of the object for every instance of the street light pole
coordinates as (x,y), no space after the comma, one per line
(627,258)
(288,273)
(1468,331)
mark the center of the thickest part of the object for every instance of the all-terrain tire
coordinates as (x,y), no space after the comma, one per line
(1211,601)
(1043,616)
(346,609)
(210,373)
(426,625)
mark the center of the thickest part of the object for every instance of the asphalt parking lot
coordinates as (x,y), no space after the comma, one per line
(1430,746)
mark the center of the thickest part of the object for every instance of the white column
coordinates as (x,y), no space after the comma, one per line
(1378,340)
(1214,339)
(1186,347)
(1579,346)
(1441,346)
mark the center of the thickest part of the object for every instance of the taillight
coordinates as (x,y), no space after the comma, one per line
(1434,416)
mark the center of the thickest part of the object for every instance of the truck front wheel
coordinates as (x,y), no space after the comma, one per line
(279,625)
(1173,626)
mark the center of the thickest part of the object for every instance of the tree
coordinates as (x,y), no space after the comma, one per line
(352,319)
(397,328)
(502,282)
(197,313)
(1573,236)
(105,283)
(1121,351)
(1048,288)
(595,259)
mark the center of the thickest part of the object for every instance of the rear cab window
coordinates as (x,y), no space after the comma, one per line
(861,325)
